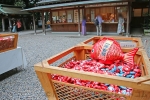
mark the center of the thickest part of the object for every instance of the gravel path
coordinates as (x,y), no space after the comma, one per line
(24,85)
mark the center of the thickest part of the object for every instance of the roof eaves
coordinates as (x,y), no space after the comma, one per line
(17,11)
(72,4)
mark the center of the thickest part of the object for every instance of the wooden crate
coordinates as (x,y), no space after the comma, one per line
(56,90)
(8,42)
(125,42)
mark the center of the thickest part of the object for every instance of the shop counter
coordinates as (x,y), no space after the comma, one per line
(64,27)
(90,27)
(106,27)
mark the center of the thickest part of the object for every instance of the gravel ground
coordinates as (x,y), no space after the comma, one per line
(24,85)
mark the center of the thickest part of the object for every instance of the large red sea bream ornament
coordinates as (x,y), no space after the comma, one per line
(108,50)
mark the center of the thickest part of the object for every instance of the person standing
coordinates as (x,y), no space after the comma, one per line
(120,29)
(84,26)
(98,23)
(31,25)
(14,30)
(48,24)
(18,25)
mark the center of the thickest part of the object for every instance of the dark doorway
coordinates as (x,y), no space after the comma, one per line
(139,9)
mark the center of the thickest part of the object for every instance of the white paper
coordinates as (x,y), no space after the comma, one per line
(69,16)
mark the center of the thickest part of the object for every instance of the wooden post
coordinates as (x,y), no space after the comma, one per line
(47,85)
(149,8)
(46,16)
(34,24)
(3,25)
(140,95)
(79,54)
(79,21)
(84,11)
(24,26)
(130,10)
(127,26)
(130,17)
(50,17)
(43,23)
(10,25)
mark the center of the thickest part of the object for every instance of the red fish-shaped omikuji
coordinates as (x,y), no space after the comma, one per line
(108,50)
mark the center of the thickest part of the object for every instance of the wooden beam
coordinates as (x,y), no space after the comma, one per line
(66,9)
(47,85)
(79,21)
(24,26)
(50,17)
(34,24)
(3,25)
(84,12)
(127,25)
(10,25)
(43,23)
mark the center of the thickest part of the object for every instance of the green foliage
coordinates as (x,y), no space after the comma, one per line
(20,3)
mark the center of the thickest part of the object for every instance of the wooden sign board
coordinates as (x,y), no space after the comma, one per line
(128,44)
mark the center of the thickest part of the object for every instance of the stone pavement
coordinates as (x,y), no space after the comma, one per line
(24,84)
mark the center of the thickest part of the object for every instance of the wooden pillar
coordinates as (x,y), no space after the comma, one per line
(149,8)
(46,17)
(50,17)
(127,25)
(51,20)
(84,11)
(10,25)
(3,25)
(47,85)
(130,10)
(43,23)
(34,24)
(79,20)
(24,26)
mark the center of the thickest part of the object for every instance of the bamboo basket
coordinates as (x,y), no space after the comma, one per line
(125,42)
(8,42)
(56,90)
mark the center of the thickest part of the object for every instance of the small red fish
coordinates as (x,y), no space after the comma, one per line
(108,50)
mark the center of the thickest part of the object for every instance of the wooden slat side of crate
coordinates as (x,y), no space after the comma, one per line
(82,93)
(139,93)
(138,41)
(47,85)
(45,68)
(14,43)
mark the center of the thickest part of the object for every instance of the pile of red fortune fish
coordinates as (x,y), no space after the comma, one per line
(117,69)
(6,42)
